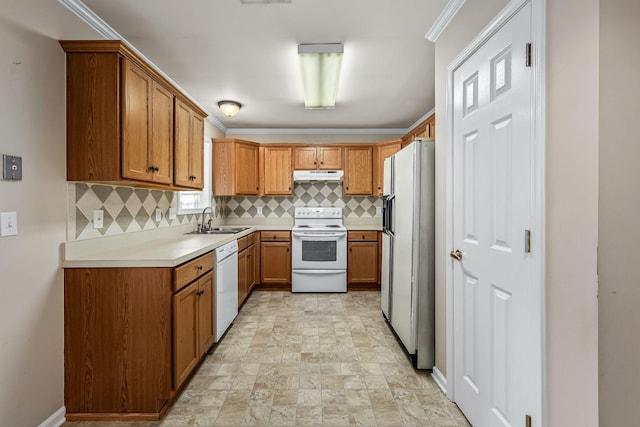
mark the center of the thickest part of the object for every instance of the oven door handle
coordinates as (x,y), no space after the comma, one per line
(319,272)
(319,234)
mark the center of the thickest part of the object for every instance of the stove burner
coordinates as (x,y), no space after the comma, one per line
(333,226)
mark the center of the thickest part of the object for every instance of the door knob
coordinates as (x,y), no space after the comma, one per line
(456,254)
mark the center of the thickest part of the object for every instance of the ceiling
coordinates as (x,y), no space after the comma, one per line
(222,49)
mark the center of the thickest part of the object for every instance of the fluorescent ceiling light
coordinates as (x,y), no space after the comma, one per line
(320,67)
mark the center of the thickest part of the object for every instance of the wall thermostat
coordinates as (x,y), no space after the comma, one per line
(12,167)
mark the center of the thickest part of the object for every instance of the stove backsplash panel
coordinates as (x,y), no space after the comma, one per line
(304,194)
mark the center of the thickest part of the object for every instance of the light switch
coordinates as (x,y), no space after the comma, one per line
(378,211)
(172,213)
(98,218)
(158,214)
(8,224)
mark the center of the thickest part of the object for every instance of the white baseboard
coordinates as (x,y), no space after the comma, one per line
(56,419)
(439,379)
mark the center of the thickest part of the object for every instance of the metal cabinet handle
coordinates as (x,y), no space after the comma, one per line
(199,267)
(456,254)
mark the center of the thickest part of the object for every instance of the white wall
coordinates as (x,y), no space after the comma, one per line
(619,210)
(32,119)
(572,213)
(571,338)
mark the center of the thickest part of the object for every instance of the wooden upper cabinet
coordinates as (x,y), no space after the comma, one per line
(325,158)
(147,138)
(304,158)
(358,171)
(247,169)
(188,147)
(235,167)
(380,153)
(136,111)
(330,158)
(278,176)
(426,129)
(161,150)
(120,117)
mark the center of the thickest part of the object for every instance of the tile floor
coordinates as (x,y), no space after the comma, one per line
(308,360)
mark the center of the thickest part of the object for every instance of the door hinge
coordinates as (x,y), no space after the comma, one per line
(527,421)
(528,55)
(527,241)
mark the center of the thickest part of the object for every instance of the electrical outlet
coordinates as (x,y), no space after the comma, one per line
(172,213)
(158,214)
(378,211)
(259,208)
(98,218)
(8,224)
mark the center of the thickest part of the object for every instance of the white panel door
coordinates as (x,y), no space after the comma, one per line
(402,293)
(496,308)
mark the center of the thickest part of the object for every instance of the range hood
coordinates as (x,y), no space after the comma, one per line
(323,176)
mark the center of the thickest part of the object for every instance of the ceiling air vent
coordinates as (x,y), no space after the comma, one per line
(264,1)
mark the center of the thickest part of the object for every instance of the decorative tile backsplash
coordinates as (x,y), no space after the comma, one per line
(126,210)
(304,194)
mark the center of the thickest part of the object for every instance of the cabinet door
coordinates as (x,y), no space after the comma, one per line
(196,152)
(161,149)
(256,261)
(206,318)
(330,158)
(182,144)
(246,169)
(136,125)
(251,261)
(185,341)
(242,277)
(275,265)
(358,179)
(382,153)
(304,158)
(278,177)
(362,262)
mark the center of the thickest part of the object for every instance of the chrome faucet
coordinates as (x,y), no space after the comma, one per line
(204,228)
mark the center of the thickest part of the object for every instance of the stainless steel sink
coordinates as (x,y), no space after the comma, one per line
(221,230)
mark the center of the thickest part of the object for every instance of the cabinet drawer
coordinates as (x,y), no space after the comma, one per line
(243,242)
(189,271)
(275,236)
(362,236)
(253,239)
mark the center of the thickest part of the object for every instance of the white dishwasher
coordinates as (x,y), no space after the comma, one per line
(226,304)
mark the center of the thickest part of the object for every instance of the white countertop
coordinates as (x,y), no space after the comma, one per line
(167,247)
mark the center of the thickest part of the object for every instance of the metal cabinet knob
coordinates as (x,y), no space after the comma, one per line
(456,254)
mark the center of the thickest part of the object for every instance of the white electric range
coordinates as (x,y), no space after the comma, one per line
(319,251)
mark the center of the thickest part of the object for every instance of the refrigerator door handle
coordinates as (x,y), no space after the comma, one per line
(387,213)
(390,214)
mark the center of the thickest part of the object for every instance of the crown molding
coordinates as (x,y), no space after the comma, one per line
(421,119)
(108,32)
(443,20)
(217,123)
(317,131)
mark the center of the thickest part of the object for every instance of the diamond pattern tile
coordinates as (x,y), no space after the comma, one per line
(126,209)
(133,209)
(304,194)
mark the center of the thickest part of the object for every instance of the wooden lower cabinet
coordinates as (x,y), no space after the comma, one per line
(246,266)
(275,258)
(363,261)
(131,340)
(242,277)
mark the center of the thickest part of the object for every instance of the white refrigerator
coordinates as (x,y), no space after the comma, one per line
(408,245)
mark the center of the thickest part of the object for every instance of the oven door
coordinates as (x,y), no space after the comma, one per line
(314,250)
